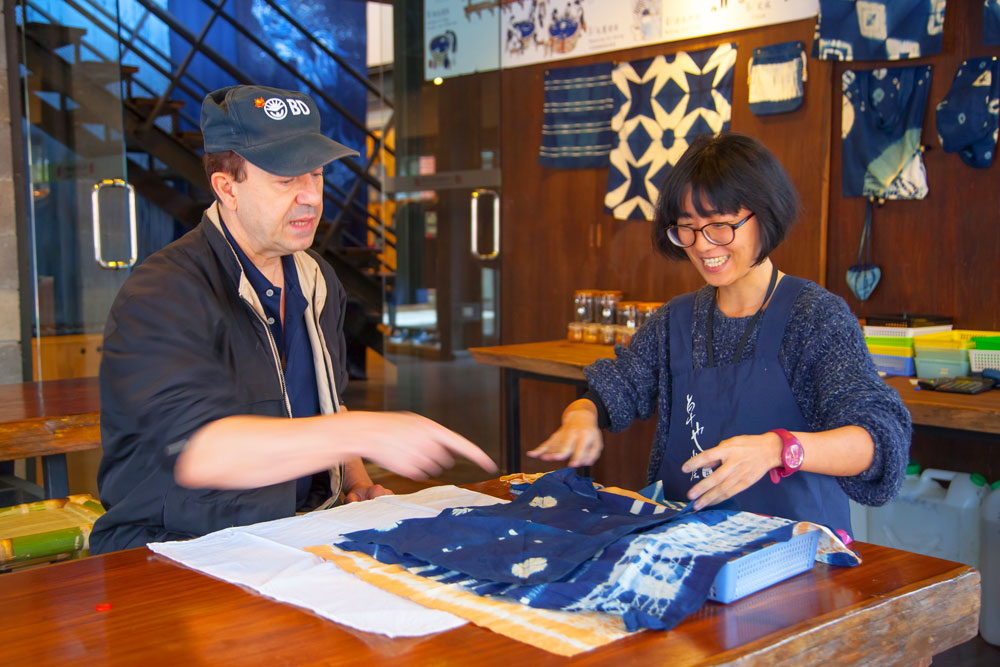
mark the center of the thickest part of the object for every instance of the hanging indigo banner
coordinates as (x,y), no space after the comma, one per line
(661,104)
(881,122)
(776,77)
(878,29)
(967,116)
(576,130)
(991,22)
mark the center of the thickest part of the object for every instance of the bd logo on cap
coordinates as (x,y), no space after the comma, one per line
(277,108)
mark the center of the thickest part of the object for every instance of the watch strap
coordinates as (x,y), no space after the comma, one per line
(788,441)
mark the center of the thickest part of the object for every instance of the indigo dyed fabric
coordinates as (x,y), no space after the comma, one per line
(967,118)
(576,129)
(991,22)
(661,104)
(777,74)
(564,545)
(883,113)
(878,29)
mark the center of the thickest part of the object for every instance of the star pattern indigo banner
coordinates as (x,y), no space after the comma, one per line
(661,104)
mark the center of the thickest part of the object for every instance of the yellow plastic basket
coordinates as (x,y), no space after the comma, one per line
(891,350)
(957,339)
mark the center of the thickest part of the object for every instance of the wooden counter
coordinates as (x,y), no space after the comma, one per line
(895,608)
(563,361)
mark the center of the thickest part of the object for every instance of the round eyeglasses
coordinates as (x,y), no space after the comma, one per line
(717,233)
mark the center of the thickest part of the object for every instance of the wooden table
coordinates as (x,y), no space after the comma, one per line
(48,419)
(551,361)
(897,607)
(563,361)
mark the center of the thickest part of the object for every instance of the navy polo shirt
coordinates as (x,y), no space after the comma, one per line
(292,340)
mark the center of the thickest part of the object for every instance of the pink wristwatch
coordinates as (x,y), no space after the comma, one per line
(792,455)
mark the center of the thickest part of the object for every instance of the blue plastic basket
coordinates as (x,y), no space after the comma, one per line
(760,569)
(891,365)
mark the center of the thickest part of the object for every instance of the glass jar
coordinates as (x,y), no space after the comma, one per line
(624,334)
(574,332)
(608,334)
(584,307)
(626,313)
(592,333)
(608,300)
(645,311)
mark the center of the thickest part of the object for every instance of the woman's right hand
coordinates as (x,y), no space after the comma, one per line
(578,439)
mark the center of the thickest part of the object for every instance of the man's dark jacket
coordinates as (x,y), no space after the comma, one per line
(185,345)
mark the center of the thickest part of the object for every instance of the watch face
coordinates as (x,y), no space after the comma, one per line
(793,456)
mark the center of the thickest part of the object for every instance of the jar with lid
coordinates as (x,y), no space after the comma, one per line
(645,311)
(592,333)
(608,332)
(624,334)
(608,300)
(574,331)
(584,305)
(626,313)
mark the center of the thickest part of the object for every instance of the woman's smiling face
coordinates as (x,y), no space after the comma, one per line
(721,265)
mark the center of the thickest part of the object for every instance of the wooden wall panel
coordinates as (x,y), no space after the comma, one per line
(940,254)
(556,237)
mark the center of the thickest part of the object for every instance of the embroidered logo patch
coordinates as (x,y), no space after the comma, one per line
(275,108)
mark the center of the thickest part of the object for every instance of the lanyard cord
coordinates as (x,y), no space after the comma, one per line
(750,325)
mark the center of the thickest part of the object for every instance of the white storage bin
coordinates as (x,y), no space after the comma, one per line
(933,520)
(989,566)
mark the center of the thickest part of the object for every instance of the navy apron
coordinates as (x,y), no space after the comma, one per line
(745,398)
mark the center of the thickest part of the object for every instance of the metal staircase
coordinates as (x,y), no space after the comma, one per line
(163,145)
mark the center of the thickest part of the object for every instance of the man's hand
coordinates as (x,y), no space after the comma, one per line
(366,492)
(406,444)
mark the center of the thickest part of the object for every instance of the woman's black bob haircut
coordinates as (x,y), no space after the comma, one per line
(724,173)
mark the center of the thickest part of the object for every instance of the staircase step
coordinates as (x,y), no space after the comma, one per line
(145,105)
(53,36)
(103,73)
(190,138)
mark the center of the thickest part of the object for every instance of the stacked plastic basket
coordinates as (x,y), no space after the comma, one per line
(956,353)
(890,339)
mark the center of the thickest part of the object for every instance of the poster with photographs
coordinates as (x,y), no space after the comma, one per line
(466,36)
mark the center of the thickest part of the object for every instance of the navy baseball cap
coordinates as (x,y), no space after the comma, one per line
(276,130)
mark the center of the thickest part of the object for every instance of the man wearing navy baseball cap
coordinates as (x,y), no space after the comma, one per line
(215,341)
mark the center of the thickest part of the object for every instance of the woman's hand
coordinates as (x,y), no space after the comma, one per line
(738,463)
(578,439)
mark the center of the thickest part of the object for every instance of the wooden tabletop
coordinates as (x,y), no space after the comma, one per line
(558,358)
(896,607)
(49,417)
(563,359)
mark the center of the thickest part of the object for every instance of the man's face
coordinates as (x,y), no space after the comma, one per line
(276,215)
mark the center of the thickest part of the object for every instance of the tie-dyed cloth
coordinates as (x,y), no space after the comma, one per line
(878,29)
(991,22)
(576,130)
(661,104)
(881,123)
(562,544)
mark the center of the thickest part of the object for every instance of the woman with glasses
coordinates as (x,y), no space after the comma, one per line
(755,376)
